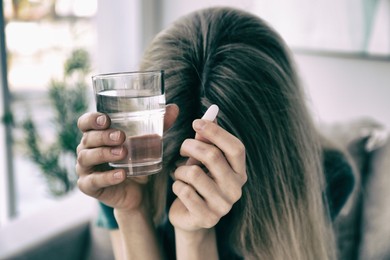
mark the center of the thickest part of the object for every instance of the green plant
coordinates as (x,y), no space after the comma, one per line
(69,99)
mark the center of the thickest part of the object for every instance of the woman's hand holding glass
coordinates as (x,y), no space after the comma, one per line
(101,144)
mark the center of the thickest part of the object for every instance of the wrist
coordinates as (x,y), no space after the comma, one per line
(138,234)
(133,221)
(199,244)
(198,237)
(130,213)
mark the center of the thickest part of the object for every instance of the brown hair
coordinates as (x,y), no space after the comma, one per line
(234,59)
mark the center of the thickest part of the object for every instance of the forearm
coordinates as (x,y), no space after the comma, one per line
(117,244)
(138,237)
(196,245)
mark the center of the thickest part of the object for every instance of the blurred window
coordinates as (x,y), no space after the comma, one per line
(50,45)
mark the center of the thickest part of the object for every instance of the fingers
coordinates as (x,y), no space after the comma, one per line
(218,200)
(99,144)
(196,210)
(93,138)
(189,197)
(232,148)
(98,147)
(224,157)
(210,115)
(91,184)
(88,158)
(93,121)
(99,121)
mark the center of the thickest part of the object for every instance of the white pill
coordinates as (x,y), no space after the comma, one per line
(211,113)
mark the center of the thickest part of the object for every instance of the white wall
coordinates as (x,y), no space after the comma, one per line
(346,88)
(124,29)
(172,9)
(118,36)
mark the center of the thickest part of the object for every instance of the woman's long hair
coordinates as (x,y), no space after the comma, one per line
(234,59)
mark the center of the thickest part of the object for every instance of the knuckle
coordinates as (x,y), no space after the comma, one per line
(211,220)
(212,129)
(236,194)
(207,224)
(78,169)
(79,122)
(92,181)
(79,148)
(214,154)
(81,157)
(80,184)
(84,139)
(244,178)
(186,143)
(240,149)
(186,192)
(223,208)
(193,174)
(88,185)
(197,222)
(84,121)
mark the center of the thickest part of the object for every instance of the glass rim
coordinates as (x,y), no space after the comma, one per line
(126,73)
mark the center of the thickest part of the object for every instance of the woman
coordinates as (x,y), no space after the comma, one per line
(258,193)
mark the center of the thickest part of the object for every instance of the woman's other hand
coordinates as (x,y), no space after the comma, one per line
(204,195)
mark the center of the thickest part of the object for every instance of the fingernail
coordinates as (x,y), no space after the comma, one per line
(114,136)
(101,120)
(118,175)
(116,150)
(198,124)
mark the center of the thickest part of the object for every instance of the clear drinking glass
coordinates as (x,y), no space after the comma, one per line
(135,103)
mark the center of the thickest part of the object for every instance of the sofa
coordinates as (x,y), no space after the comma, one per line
(67,230)
(362,228)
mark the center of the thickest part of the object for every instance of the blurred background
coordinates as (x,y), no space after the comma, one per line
(50,48)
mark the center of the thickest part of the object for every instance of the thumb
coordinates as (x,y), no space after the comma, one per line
(171,113)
